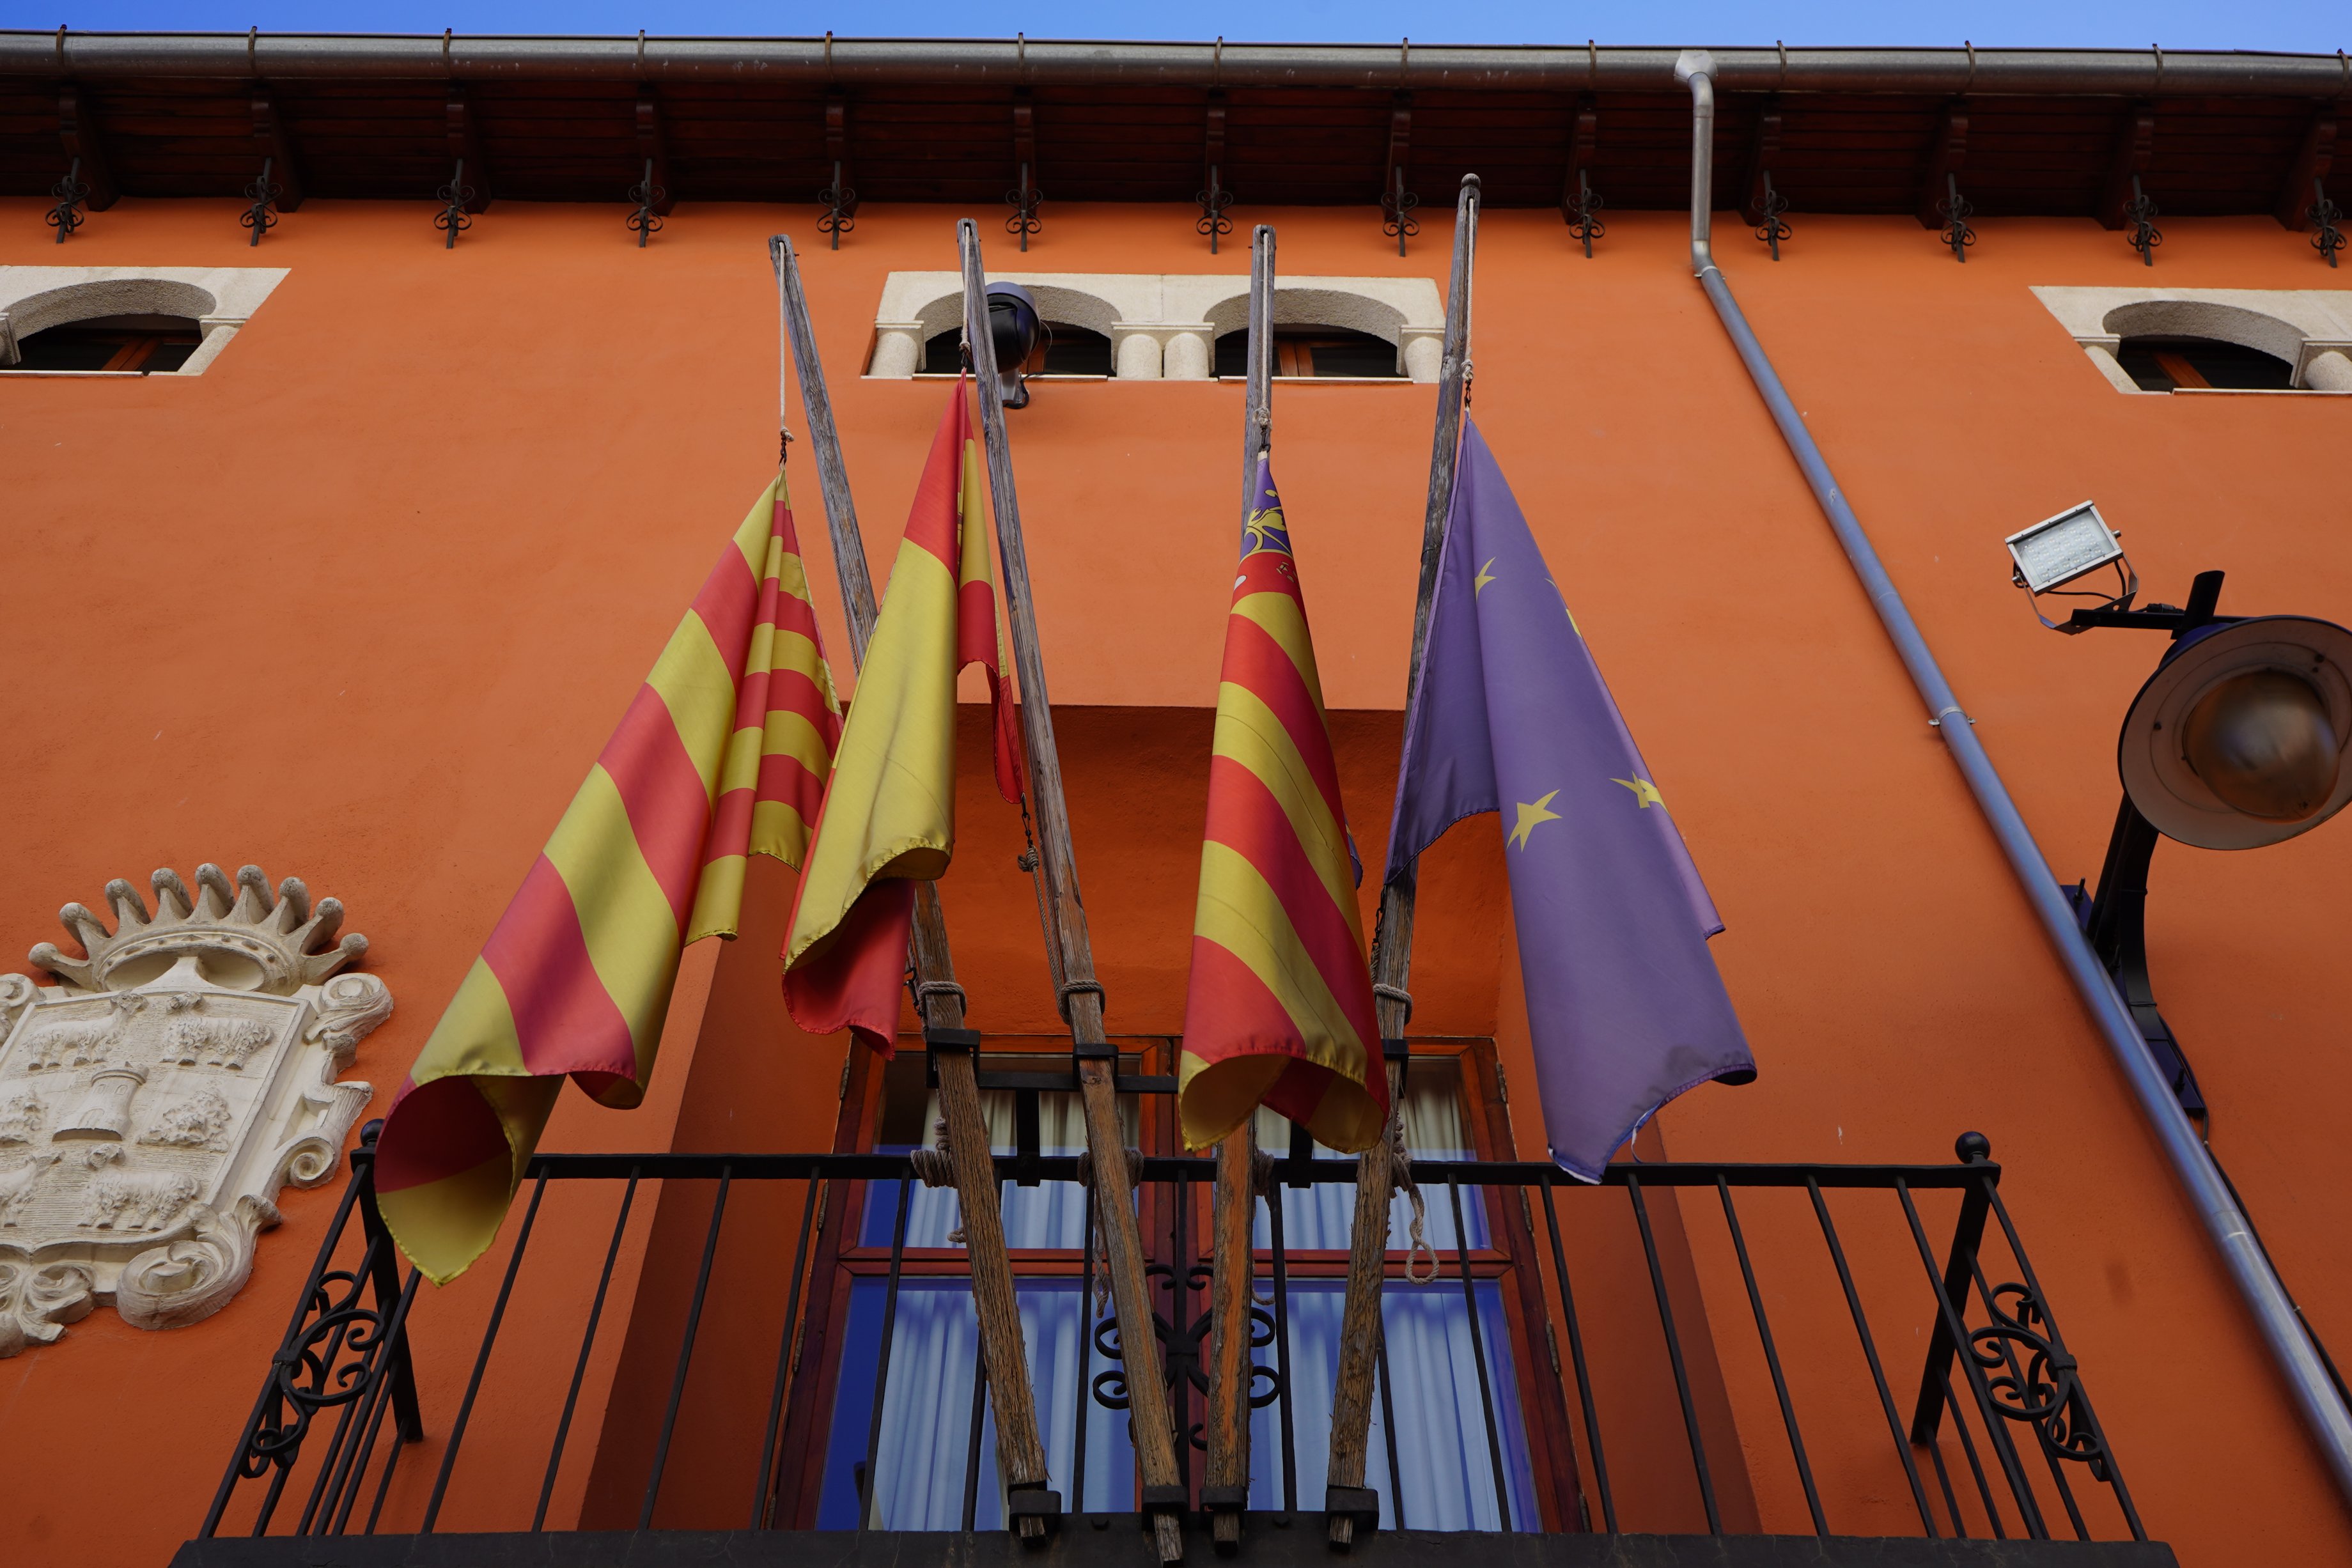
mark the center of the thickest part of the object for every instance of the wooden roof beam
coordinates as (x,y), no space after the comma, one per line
(653,147)
(78,128)
(1397,203)
(1763,147)
(1583,141)
(2313,161)
(1024,196)
(465,143)
(270,134)
(1948,154)
(2135,150)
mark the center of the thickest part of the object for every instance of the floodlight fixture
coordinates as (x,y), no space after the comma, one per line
(2066,549)
(1012,326)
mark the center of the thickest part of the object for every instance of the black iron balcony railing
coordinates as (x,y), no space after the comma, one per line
(1588,1377)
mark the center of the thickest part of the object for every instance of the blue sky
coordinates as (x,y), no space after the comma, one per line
(2323,25)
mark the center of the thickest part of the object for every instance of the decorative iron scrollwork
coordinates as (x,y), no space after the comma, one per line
(1024,200)
(2032,1380)
(330,1361)
(453,219)
(1956,210)
(262,193)
(71,193)
(2324,217)
(840,207)
(1396,209)
(2140,212)
(1213,203)
(647,196)
(1774,228)
(1584,214)
(1183,1351)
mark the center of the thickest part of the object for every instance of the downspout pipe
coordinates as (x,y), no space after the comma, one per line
(2323,1408)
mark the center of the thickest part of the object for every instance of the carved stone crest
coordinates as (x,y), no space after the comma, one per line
(154,1102)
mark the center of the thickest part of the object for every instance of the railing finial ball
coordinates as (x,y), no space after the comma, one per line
(1972,1147)
(370,1133)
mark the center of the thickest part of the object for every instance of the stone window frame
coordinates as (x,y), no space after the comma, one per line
(220,299)
(1165,326)
(2310,328)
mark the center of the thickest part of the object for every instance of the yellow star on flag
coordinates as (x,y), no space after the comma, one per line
(1643,790)
(1530,817)
(1478,583)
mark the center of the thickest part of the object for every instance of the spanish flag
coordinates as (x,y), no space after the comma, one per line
(889,819)
(1279,1009)
(722,754)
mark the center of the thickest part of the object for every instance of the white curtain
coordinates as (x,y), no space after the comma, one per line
(1051,1214)
(919,1462)
(1323,1216)
(1440,1427)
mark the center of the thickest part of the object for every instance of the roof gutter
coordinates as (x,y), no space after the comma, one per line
(2323,1408)
(102,57)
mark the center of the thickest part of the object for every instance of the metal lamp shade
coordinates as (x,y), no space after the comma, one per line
(2237,740)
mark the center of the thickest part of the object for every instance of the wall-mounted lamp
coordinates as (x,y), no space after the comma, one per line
(2236,741)
(2066,549)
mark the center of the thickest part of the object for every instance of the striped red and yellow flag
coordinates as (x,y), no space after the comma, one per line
(722,754)
(1279,1008)
(888,820)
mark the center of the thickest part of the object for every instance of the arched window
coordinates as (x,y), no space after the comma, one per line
(1320,351)
(1063,350)
(144,344)
(2159,364)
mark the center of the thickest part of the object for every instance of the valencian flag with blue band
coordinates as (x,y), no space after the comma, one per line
(1279,1007)
(1511,714)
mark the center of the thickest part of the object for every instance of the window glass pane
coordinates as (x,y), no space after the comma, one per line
(2164,364)
(1323,1216)
(1442,1454)
(1074,351)
(1356,354)
(926,1437)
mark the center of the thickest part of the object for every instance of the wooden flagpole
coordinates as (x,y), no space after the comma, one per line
(1360,1325)
(1224,1484)
(1020,1456)
(1081,995)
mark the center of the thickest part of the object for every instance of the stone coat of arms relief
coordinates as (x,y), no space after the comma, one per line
(154,1102)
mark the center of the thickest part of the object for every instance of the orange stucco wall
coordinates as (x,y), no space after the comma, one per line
(359,603)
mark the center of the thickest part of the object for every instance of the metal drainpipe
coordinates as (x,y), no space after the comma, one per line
(2323,1409)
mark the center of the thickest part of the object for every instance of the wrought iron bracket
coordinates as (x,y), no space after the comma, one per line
(258,218)
(646,220)
(1774,228)
(2140,212)
(1956,210)
(2325,216)
(840,204)
(1583,212)
(67,215)
(456,198)
(1213,199)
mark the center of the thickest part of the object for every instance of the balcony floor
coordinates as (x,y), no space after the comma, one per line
(1295,1543)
